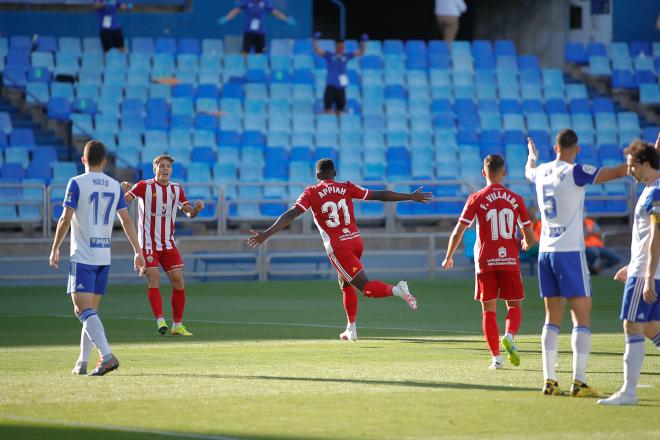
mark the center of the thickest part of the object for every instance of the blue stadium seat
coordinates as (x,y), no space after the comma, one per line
(575,53)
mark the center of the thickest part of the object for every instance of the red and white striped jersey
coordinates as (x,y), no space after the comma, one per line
(157,213)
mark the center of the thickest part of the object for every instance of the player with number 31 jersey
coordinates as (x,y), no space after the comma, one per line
(331,202)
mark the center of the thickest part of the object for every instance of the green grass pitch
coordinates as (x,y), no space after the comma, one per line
(265,362)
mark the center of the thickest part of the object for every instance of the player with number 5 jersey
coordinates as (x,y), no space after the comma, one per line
(563,272)
(497,212)
(331,203)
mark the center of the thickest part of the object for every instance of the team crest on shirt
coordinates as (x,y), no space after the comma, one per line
(346,231)
(589,169)
(501,252)
(150,259)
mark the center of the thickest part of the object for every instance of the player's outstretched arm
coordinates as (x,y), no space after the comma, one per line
(532,159)
(282,222)
(650,295)
(608,174)
(454,241)
(193,211)
(285,18)
(63,225)
(131,234)
(230,15)
(391,196)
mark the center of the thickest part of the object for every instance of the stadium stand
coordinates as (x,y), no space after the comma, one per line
(252,125)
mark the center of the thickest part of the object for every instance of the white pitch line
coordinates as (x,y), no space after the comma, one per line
(114,428)
(285,324)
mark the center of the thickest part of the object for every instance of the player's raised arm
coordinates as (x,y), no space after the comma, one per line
(532,159)
(126,187)
(392,196)
(63,225)
(193,211)
(315,45)
(363,46)
(282,222)
(454,241)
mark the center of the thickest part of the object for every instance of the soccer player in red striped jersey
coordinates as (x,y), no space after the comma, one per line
(331,203)
(159,201)
(497,210)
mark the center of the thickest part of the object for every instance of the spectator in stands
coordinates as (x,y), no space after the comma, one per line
(598,256)
(109,28)
(447,13)
(334,97)
(254,36)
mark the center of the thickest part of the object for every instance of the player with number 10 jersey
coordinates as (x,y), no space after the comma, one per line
(497,211)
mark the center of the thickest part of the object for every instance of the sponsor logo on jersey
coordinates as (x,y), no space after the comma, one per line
(640,316)
(102,182)
(69,197)
(99,242)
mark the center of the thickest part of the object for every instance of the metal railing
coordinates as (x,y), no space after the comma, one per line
(412,260)
(224,203)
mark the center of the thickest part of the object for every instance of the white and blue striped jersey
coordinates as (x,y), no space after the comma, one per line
(647,206)
(96,198)
(560,195)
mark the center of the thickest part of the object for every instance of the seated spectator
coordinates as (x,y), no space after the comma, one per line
(598,256)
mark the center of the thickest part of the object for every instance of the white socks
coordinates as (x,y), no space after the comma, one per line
(549,337)
(581,344)
(633,358)
(350,326)
(94,329)
(86,345)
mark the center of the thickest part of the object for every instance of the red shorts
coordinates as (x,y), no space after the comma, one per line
(346,259)
(502,284)
(169,259)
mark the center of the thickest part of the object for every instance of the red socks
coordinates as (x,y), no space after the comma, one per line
(178,304)
(513,320)
(377,289)
(156,302)
(350,303)
(491,332)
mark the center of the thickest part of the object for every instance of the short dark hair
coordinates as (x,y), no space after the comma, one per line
(643,152)
(494,163)
(94,152)
(166,157)
(324,166)
(567,138)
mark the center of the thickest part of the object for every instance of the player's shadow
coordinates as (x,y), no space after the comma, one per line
(424,340)
(394,383)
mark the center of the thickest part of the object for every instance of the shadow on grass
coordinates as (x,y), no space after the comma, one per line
(28,431)
(394,383)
